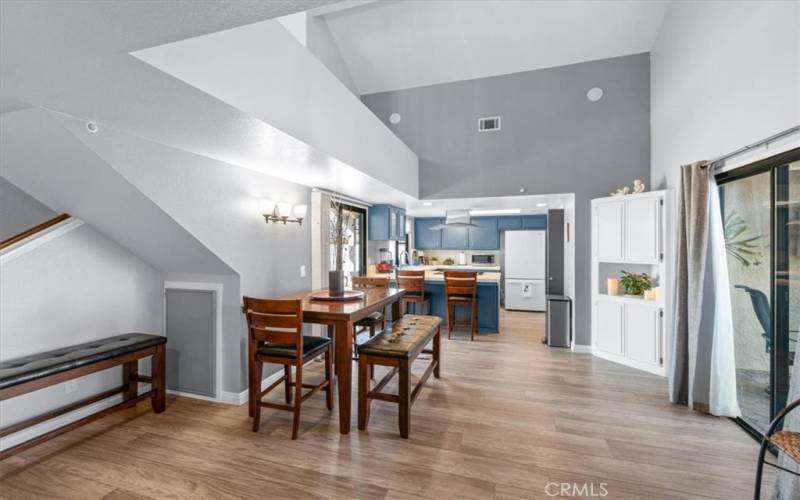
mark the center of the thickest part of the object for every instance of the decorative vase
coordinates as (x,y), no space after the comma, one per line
(336,283)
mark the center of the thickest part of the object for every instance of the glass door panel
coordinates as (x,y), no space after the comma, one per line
(761,211)
(747,221)
(353,242)
(787,276)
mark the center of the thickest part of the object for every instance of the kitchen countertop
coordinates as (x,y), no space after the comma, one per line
(491,274)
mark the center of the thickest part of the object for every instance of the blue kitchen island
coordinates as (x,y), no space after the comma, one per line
(488,298)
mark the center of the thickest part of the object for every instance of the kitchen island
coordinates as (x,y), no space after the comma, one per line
(488,293)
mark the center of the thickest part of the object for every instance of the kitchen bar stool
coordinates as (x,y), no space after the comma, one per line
(413,282)
(460,289)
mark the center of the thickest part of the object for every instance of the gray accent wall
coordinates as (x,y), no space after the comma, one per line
(552,140)
(19,211)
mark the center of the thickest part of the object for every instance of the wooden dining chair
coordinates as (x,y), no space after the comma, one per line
(275,335)
(374,321)
(413,282)
(460,289)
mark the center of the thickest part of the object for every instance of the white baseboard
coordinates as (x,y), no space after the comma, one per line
(581,349)
(60,421)
(240,398)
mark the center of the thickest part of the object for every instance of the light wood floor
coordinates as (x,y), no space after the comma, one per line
(507,417)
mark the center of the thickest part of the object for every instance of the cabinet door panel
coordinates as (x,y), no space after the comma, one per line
(509,223)
(485,236)
(642,328)
(392,224)
(401,225)
(609,326)
(642,230)
(424,238)
(609,222)
(455,238)
(534,222)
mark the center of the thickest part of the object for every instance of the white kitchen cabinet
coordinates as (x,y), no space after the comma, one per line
(642,230)
(642,333)
(609,221)
(609,324)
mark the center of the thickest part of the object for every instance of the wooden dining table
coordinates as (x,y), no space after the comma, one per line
(340,316)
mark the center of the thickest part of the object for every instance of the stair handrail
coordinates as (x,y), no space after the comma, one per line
(35,229)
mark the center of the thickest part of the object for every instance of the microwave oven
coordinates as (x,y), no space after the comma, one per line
(483,259)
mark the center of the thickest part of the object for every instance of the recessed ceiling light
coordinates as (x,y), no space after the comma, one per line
(541,205)
(594,94)
(395,118)
(92,127)
(427,203)
(521,190)
(501,211)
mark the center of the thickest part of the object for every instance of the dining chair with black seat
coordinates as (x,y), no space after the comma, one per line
(375,321)
(413,282)
(460,289)
(275,335)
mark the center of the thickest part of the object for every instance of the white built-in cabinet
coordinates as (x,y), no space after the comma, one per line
(632,233)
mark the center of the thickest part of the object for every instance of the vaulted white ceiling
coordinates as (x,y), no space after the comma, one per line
(392,45)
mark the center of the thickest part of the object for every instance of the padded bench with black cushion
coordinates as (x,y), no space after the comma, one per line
(397,347)
(30,373)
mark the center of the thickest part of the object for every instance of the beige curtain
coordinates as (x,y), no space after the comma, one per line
(702,373)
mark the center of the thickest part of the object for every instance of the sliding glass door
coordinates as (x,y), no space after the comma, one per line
(761,214)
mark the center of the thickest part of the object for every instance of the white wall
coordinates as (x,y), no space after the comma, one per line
(263,70)
(19,211)
(217,203)
(723,75)
(75,288)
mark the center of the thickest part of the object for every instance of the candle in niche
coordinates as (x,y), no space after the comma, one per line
(612,286)
(650,294)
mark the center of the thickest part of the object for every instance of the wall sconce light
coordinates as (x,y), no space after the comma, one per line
(280,212)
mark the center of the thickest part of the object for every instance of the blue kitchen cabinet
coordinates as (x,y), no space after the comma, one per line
(486,235)
(386,223)
(455,238)
(509,223)
(534,221)
(400,224)
(424,238)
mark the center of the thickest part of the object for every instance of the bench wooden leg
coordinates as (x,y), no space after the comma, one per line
(404,398)
(158,370)
(130,371)
(363,390)
(436,352)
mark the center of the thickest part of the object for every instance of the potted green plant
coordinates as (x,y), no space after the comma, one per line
(635,284)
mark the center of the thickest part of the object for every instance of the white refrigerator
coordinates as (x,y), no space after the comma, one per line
(524,270)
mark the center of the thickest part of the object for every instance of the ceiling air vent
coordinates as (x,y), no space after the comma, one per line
(487,124)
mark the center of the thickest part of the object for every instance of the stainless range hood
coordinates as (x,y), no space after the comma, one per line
(455,218)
